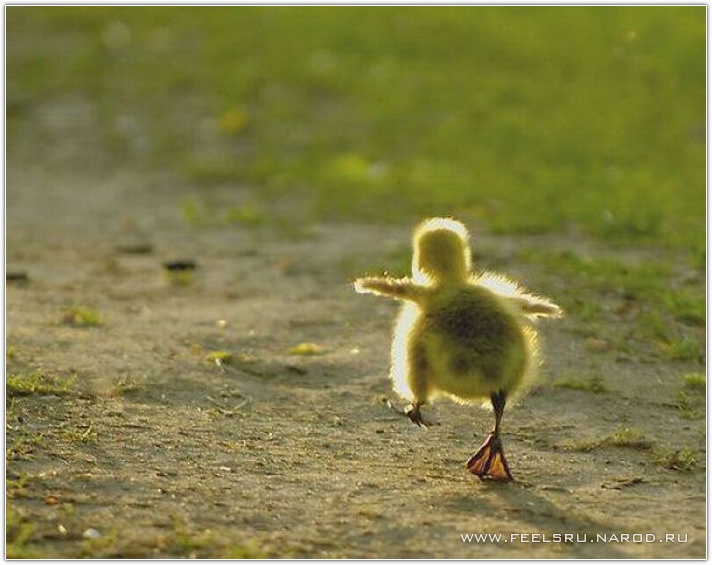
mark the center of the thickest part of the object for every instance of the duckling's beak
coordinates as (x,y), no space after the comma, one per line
(489,463)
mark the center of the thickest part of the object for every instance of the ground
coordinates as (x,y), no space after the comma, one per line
(143,439)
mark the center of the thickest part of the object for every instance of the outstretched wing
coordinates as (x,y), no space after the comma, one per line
(530,305)
(401,289)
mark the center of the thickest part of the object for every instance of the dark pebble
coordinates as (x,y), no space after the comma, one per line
(180,265)
(17,277)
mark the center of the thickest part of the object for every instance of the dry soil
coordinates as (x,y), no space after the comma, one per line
(159,451)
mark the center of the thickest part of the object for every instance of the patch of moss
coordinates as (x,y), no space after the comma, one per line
(622,437)
(684,459)
(695,381)
(18,533)
(37,382)
(307,348)
(82,317)
(219,357)
(594,384)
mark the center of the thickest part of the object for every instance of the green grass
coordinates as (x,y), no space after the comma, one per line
(690,397)
(82,317)
(23,441)
(250,550)
(683,459)
(307,349)
(594,384)
(682,348)
(627,437)
(17,487)
(24,445)
(37,382)
(219,357)
(520,119)
(665,314)
(202,212)
(78,434)
(695,381)
(621,437)
(18,534)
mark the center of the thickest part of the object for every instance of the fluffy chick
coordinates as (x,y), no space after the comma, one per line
(459,334)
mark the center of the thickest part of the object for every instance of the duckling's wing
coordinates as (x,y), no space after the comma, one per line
(530,305)
(401,289)
(537,307)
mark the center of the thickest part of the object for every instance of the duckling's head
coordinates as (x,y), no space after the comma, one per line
(441,252)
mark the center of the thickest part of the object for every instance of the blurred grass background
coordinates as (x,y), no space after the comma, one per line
(527,119)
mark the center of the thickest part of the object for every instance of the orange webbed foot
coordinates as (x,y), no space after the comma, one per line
(489,463)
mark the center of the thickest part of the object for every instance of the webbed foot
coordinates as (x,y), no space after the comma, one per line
(413,414)
(489,463)
(417,418)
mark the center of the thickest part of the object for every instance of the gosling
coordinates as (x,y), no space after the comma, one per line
(459,334)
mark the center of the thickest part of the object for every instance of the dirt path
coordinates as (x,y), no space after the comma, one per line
(157,452)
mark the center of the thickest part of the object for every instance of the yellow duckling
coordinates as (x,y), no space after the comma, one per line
(459,334)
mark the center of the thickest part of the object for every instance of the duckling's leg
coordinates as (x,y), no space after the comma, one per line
(418,376)
(416,417)
(489,462)
(413,413)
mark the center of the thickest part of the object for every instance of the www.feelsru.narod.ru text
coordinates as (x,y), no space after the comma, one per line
(574,538)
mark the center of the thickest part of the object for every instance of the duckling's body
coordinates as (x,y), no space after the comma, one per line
(470,341)
(460,335)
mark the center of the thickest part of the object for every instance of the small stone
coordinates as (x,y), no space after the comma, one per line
(53,499)
(91,533)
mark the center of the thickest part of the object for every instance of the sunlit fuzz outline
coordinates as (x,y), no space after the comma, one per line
(464,335)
